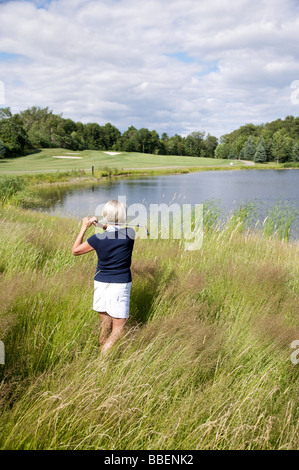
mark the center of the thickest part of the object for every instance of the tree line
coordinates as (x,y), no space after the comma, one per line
(41,128)
(274,141)
(37,127)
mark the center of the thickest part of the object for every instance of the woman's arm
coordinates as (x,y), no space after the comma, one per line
(80,248)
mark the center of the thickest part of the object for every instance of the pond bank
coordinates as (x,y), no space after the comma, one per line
(75,177)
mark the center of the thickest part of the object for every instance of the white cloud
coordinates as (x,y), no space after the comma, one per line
(119,61)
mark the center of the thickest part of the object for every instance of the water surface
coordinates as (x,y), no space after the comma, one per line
(230,189)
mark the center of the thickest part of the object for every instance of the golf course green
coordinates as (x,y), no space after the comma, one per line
(47,160)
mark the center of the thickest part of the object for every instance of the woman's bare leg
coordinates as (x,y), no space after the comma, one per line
(106,325)
(117,330)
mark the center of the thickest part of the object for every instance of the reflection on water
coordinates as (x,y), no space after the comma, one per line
(231,189)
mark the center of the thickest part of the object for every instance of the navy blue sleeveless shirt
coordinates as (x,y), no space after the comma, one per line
(114,249)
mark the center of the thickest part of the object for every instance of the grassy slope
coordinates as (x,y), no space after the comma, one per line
(44,161)
(205,362)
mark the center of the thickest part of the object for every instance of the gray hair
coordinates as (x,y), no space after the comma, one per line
(114,211)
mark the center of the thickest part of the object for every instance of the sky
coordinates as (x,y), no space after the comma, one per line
(176,66)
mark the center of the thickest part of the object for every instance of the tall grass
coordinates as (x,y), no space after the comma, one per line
(55,177)
(26,192)
(10,186)
(279,220)
(204,363)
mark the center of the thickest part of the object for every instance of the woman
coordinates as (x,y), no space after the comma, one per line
(112,281)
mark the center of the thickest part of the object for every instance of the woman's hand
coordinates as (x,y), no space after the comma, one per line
(87,222)
(80,247)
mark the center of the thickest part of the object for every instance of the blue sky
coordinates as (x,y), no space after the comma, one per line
(175,66)
(37,3)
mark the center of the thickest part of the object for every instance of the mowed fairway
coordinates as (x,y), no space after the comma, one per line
(45,160)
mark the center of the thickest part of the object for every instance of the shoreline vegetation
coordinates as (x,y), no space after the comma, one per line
(205,362)
(25,191)
(25,176)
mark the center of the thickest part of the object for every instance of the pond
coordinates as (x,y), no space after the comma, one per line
(229,189)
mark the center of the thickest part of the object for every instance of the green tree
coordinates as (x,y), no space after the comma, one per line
(111,135)
(243,132)
(162,148)
(294,132)
(12,134)
(242,154)
(2,149)
(211,143)
(5,113)
(34,114)
(154,142)
(144,138)
(238,145)
(36,122)
(68,126)
(232,155)
(295,152)
(129,140)
(176,145)
(249,149)
(279,149)
(94,136)
(282,146)
(260,155)
(222,151)
(78,137)
(269,150)
(46,129)
(194,144)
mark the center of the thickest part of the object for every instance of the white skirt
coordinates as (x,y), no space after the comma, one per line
(112,298)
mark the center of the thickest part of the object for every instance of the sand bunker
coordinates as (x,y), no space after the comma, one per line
(113,153)
(60,156)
